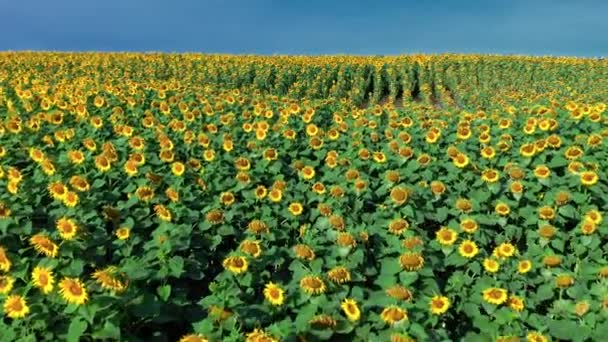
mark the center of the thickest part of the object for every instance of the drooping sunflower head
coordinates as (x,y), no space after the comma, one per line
(339,274)
(43,245)
(411,261)
(110,278)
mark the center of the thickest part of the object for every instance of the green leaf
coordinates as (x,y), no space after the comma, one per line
(88,312)
(441,214)
(564,329)
(544,292)
(108,331)
(164,292)
(601,331)
(473,337)
(390,266)
(304,315)
(77,327)
(176,266)
(556,162)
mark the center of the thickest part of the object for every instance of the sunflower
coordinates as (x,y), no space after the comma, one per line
(312,285)
(464,205)
(461,160)
(399,195)
(236,264)
(193,338)
(172,194)
(552,260)
(393,315)
(581,308)
(527,150)
(35,154)
(339,275)
(271,154)
(260,192)
(73,291)
(110,278)
(346,240)
(123,233)
(468,225)
(562,198)
(488,152)
(6,284)
(102,163)
(491,265)
(67,228)
(43,279)
(76,157)
(398,226)
(275,195)
(536,337)
(468,249)
(399,292)
(564,280)
(573,153)
(242,164)
(178,168)
(594,215)
(251,248)
(502,209)
(307,172)
(42,244)
(227,198)
(5,211)
(274,294)
(588,178)
(505,250)
(411,261)
(495,295)
(71,199)
(516,303)
(48,167)
(542,172)
(162,212)
(351,309)
(15,307)
(296,209)
(130,168)
(588,227)
(304,252)
(79,183)
(318,188)
(57,190)
(546,213)
(322,322)
(446,236)
(439,305)
(144,193)
(490,176)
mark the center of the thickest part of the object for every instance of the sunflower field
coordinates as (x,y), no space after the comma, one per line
(188,197)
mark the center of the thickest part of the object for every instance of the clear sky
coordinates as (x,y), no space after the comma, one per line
(537,27)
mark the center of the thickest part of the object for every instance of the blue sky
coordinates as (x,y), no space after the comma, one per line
(543,27)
